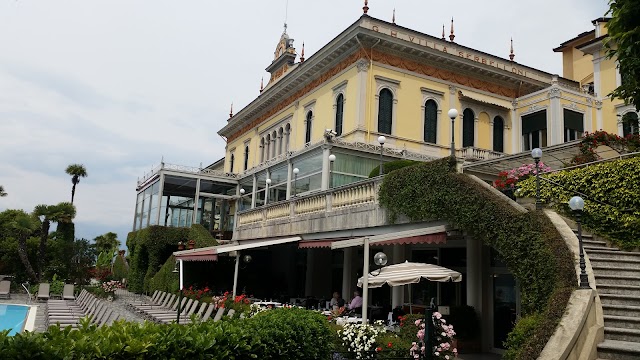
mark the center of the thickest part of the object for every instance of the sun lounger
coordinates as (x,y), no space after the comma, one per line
(185,315)
(43,292)
(67,293)
(5,289)
(184,309)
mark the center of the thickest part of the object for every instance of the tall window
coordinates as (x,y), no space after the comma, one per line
(573,125)
(339,114)
(385,111)
(430,121)
(307,135)
(468,127)
(534,130)
(246,157)
(498,134)
(233,159)
(630,124)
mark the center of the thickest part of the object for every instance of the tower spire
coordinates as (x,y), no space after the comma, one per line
(231,111)
(365,8)
(511,53)
(262,84)
(451,36)
(302,53)
(443,38)
(393,19)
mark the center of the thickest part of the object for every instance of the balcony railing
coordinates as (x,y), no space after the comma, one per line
(473,153)
(351,195)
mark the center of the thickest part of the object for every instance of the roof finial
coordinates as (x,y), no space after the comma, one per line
(443,38)
(302,53)
(365,9)
(511,54)
(451,36)
(262,84)
(231,111)
(393,19)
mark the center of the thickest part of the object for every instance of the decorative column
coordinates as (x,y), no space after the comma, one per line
(515,129)
(326,151)
(453,105)
(361,99)
(194,216)
(289,177)
(253,196)
(555,120)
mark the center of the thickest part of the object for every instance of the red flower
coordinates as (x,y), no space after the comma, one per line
(378,349)
(389,345)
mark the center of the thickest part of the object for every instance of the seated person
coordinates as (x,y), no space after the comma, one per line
(336,301)
(356,303)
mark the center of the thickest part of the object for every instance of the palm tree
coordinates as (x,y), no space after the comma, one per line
(23,225)
(64,212)
(76,171)
(2,192)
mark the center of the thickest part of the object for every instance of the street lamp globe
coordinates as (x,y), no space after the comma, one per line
(247,259)
(242,191)
(332,158)
(268,181)
(453,113)
(576,203)
(296,171)
(381,139)
(536,153)
(380,259)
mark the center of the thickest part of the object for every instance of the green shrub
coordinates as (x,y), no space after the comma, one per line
(616,183)
(525,328)
(528,243)
(120,268)
(56,286)
(149,249)
(465,322)
(165,279)
(391,166)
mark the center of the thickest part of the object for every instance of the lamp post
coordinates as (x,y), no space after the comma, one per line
(241,200)
(453,114)
(295,181)
(381,141)
(178,269)
(266,192)
(332,158)
(577,205)
(536,154)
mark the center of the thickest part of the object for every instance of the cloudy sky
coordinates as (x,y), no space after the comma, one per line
(118,84)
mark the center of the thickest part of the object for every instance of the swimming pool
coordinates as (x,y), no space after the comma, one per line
(13,318)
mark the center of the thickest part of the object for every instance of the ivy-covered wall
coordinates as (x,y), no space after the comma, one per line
(528,243)
(149,249)
(615,183)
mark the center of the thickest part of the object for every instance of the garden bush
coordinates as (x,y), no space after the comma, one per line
(615,184)
(528,243)
(391,166)
(165,279)
(278,334)
(149,249)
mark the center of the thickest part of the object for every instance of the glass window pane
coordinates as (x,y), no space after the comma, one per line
(309,183)
(212,187)
(279,174)
(309,165)
(352,164)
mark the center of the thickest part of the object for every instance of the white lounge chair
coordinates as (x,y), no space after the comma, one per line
(5,289)
(43,292)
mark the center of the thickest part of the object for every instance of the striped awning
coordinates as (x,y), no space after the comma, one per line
(410,273)
(211,253)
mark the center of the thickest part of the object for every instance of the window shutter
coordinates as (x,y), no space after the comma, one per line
(385,111)
(339,114)
(307,136)
(468,128)
(498,134)
(430,121)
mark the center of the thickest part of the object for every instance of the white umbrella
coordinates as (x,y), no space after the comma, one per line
(410,273)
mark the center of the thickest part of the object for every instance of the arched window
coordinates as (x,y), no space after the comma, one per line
(233,159)
(267,144)
(246,157)
(430,121)
(630,124)
(280,140)
(498,134)
(468,127)
(274,144)
(339,114)
(307,134)
(385,111)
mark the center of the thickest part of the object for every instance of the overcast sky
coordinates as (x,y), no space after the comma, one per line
(117,84)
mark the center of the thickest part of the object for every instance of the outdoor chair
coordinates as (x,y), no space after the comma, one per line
(185,315)
(5,289)
(160,317)
(43,292)
(68,292)
(165,302)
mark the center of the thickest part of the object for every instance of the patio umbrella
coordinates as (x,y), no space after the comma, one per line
(410,273)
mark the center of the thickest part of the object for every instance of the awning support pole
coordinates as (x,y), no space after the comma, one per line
(365,283)
(235,275)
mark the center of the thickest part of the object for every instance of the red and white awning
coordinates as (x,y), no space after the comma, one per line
(211,253)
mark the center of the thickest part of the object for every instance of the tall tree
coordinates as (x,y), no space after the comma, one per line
(64,212)
(21,225)
(107,242)
(623,44)
(76,171)
(2,192)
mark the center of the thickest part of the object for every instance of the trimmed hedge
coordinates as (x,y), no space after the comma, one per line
(165,279)
(149,249)
(278,334)
(392,166)
(616,183)
(528,243)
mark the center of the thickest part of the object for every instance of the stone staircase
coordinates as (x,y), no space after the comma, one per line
(617,275)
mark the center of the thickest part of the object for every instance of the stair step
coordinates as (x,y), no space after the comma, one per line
(632,263)
(622,322)
(632,335)
(617,269)
(612,299)
(621,310)
(616,280)
(584,235)
(619,289)
(619,350)
(595,243)
(591,247)
(613,254)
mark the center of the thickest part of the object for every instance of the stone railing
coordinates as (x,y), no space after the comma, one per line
(351,195)
(473,153)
